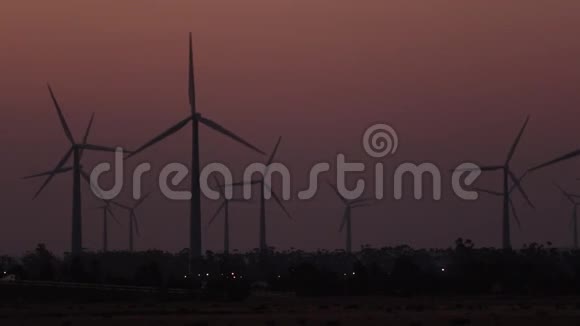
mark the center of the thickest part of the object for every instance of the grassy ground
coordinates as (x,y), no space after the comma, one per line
(289,310)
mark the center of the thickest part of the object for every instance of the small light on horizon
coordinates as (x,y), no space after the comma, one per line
(443,269)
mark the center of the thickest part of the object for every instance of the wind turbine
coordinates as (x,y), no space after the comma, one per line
(506,193)
(224,206)
(263,185)
(133,220)
(76,150)
(106,208)
(511,203)
(195,118)
(575,204)
(349,205)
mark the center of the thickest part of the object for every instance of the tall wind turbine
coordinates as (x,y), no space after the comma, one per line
(133,220)
(76,150)
(195,118)
(225,205)
(349,205)
(507,175)
(106,208)
(572,199)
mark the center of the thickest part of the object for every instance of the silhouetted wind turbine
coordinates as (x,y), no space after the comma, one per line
(507,175)
(76,150)
(106,208)
(575,204)
(224,206)
(511,202)
(263,185)
(349,205)
(194,119)
(133,220)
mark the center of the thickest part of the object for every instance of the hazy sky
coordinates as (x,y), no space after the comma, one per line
(454,78)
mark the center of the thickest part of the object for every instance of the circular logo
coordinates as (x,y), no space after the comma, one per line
(380,140)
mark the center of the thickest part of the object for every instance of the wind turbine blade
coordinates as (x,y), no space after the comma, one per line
(565,194)
(271,158)
(191,84)
(86,135)
(481,168)
(110,211)
(61,117)
(564,157)
(337,192)
(491,167)
(242,183)
(121,205)
(99,148)
(520,188)
(517,141)
(239,200)
(491,192)
(141,200)
(515,214)
(362,200)
(215,126)
(217,212)
(136,221)
(514,186)
(279,202)
(43,174)
(342,224)
(361,205)
(51,175)
(162,136)
(221,188)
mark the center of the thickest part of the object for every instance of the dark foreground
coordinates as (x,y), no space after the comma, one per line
(289,310)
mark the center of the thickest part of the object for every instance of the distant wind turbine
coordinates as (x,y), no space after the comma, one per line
(225,205)
(195,118)
(263,185)
(506,193)
(575,204)
(106,208)
(133,220)
(76,150)
(349,205)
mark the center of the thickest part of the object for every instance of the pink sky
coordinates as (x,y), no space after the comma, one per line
(455,79)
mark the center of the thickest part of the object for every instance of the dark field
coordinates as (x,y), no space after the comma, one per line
(290,310)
